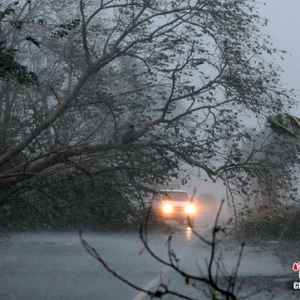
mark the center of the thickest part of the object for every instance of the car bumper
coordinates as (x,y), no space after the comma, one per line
(175,216)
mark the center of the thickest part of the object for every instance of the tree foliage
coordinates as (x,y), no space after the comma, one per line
(10,68)
(285,124)
(183,72)
(273,182)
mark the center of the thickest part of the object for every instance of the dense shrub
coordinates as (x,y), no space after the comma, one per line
(282,224)
(94,205)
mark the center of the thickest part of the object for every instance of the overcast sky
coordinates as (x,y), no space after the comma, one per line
(284,29)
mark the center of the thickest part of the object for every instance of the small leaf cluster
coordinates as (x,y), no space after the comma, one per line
(10,68)
(9,10)
(64,29)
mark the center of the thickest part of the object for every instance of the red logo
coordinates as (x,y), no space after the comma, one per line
(296,267)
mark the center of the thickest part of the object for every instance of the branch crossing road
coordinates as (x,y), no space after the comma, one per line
(54,265)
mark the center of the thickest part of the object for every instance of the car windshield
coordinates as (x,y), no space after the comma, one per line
(175,196)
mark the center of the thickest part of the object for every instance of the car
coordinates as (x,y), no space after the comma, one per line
(173,205)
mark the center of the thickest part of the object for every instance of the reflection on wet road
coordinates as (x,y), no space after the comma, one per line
(54,265)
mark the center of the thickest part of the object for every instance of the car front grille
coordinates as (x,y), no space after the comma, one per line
(178,209)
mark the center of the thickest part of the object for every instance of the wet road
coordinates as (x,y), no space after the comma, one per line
(54,265)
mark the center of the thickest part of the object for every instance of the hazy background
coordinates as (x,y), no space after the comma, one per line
(283,27)
(284,30)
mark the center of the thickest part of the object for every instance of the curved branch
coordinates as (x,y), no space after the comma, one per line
(84,34)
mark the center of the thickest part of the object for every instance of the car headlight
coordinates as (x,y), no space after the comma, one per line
(167,208)
(190,209)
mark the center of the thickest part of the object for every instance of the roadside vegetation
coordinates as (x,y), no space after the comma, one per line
(271,219)
(280,226)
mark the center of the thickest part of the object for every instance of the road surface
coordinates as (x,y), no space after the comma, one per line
(54,265)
